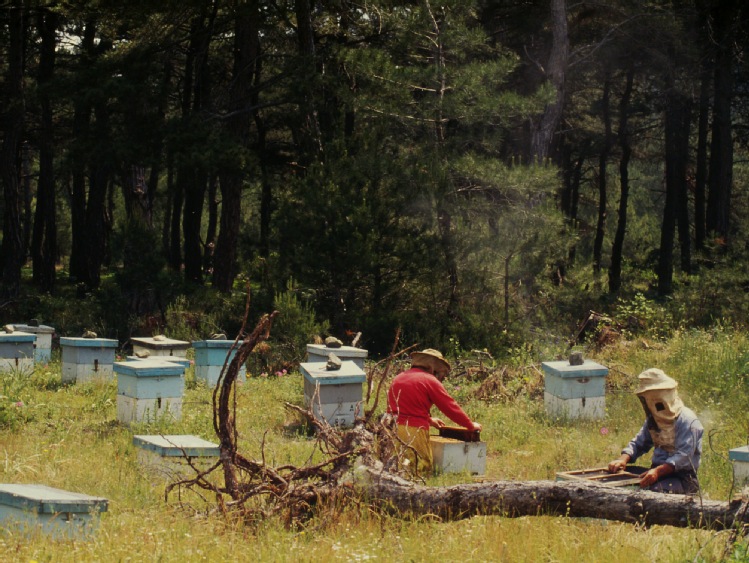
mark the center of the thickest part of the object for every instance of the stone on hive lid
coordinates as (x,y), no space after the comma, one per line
(142,354)
(9,329)
(334,362)
(333,342)
(218,336)
(89,334)
(159,338)
(576,359)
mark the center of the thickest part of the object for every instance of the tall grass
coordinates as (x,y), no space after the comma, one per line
(68,437)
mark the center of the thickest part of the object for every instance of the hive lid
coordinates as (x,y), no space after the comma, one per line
(149,342)
(184,362)
(214,343)
(41,329)
(17,336)
(48,500)
(739,454)
(88,342)
(562,368)
(342,352)
(315,372)
(149,367)
(174,445)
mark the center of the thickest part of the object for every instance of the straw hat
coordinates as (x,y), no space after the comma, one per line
(654,379)
(430,359)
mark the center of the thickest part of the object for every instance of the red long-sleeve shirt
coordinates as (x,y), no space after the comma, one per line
(412,394)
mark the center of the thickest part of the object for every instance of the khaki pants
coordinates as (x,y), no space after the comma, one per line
(421,459)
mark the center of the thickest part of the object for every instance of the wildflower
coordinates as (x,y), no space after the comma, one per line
(604,431)
(19,403)
(280,373)
(264,374)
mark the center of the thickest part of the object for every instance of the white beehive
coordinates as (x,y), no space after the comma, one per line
(456,456)
(84,359)
(17,351)
(210,356)
(159,346)
(60,514)
(168,455)
(740,460)
(319,353)
(575,391)
(149,389)
(43,344)
(333,395)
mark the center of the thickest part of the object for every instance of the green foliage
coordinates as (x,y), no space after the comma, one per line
(644,317)
(14,407)
(293,328)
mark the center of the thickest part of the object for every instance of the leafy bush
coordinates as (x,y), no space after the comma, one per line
(294,327)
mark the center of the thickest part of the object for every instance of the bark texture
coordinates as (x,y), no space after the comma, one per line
(550,498)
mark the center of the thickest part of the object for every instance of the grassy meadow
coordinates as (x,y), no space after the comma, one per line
(68,437)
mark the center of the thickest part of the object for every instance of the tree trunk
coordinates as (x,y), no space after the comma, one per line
(700,178)
(549,498)
(721,147)
(310,136)
(44,240)
(602,162)
(675,157)
(682,182)
(12,251)
(246,48)
(615,269)
(543,132)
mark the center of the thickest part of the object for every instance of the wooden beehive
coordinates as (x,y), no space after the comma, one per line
(458,456)
(159,347)
(17,351)
(168,455)
(319,353)
(575,391)
(43,344)
(149,389)
(84,359)
(210,356)
(58,513)
(740,460)
(333,395)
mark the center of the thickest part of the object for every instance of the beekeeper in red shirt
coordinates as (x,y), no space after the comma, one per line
(410,399)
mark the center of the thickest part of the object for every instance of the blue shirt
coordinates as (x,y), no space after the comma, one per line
(687,444)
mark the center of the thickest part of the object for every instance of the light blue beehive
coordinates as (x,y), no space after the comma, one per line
(210,356)
(17,351)
(575,391)
(319,353)
(149,389)
(184,362)
(168,455)
(333,395)
(84,359)
(159,346)
(43,344)
(740,460)
(58,513)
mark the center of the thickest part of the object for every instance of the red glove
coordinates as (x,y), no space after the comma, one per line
(656,474)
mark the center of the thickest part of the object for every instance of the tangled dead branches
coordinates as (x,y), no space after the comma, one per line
(255,490)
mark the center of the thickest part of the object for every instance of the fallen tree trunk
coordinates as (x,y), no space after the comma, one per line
(551,498)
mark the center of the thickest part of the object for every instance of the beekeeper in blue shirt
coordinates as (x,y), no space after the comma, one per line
(675,432)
